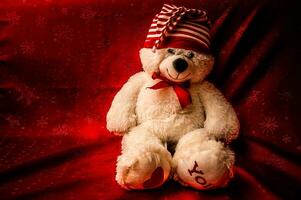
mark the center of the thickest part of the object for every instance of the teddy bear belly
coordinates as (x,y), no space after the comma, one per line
(172,128)
(160,111)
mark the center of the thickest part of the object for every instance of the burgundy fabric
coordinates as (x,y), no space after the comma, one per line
(62,61)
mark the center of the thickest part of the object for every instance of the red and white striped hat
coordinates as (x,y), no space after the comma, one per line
(179,27)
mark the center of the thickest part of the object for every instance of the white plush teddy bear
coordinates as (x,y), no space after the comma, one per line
(174,123)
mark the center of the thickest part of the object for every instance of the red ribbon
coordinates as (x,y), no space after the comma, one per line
(181,89)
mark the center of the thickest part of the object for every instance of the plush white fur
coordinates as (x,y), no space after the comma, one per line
(150,119)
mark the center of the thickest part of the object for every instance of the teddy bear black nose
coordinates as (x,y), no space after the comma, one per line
(180,65)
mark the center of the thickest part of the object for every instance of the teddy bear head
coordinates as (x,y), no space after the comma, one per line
(177,65)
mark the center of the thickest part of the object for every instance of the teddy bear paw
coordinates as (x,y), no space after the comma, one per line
(144,171)
(204,169)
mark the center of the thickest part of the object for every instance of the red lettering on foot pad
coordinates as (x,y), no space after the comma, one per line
(199,178)
(156,178)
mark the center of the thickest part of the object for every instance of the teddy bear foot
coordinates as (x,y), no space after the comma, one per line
(146,171)
(204,166)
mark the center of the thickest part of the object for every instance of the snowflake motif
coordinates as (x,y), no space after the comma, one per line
(62,32)
(269,125)
(88,119)
(40,21)
(26,94)
(27,48)
(42,122)
(274,161)
(285,96)
(13,17)
(53,99)
(13,121)
(63,171)
(64,11)
(234,74)
(62,130)
(88,13)
(103,44)
(286,139)
(254,97)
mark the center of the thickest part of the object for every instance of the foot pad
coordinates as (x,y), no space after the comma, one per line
(156,179)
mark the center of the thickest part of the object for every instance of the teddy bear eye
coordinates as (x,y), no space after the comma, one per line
(171,51)
(190,55)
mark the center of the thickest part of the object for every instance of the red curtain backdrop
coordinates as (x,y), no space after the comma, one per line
(62,61)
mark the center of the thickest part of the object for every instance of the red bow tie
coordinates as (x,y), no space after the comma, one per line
(179,88)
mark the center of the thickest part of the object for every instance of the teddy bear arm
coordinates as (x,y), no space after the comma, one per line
(121,115)
(221,120)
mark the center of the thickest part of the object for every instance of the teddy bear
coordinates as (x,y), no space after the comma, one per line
(174,123)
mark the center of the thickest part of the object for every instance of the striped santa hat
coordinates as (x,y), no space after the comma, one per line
(179,27)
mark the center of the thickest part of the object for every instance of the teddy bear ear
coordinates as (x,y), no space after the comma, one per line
(210,59)
(150,60)
(146,55)
(207,60)
(204,64)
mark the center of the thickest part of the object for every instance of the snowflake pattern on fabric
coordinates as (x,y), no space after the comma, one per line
(286,139)
(27,48)
(13,121)
(88,13)
(256,96)
(26,94)
(62,32)
(13,18)
(64,10)
(40,21)
(274,161)
(285,96)
(269,125)
(62,130)
(42,122)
